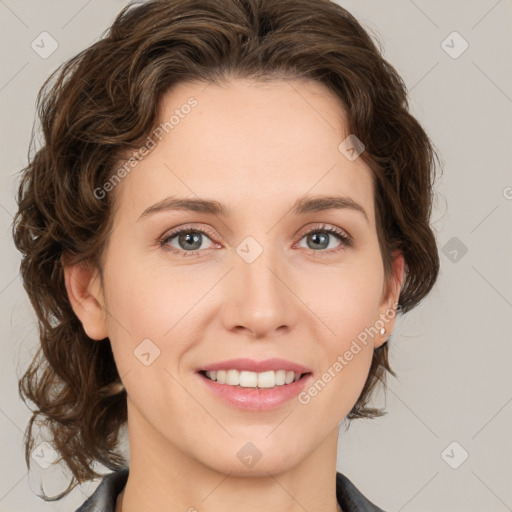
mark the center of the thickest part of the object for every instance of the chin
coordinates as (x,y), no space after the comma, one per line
(262,468)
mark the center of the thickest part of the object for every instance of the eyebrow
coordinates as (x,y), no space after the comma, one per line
(302,206)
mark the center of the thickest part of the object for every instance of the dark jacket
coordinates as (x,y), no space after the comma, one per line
(104,497)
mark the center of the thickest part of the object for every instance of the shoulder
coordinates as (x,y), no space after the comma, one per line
(350,498)
(104,497)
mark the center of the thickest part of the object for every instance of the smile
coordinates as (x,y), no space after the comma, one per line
(247,379)
(242,390)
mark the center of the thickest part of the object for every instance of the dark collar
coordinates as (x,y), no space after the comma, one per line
(350,498)
(104,497)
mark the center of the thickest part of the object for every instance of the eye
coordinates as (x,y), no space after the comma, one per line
(189,241)
(319,237)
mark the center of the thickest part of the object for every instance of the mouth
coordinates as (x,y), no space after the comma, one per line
(254,380)
(257,392)
(255,385)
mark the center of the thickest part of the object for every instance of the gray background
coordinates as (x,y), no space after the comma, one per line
(452,354)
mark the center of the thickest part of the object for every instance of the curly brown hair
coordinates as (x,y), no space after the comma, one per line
(104,102)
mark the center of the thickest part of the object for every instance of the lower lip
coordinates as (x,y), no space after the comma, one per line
(256,399)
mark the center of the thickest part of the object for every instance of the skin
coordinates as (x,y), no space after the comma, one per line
(256,148)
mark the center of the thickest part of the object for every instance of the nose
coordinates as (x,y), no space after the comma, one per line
(259,297)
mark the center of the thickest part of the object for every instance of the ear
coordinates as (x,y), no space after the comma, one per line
(85,294)
(391,294)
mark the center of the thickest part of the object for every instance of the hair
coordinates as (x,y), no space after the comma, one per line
(105,101)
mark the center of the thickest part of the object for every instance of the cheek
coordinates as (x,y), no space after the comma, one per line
(153,310)
(148,299)
(349,311)
(346,298)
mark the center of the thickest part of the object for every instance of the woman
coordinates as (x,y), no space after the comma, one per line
(231,205)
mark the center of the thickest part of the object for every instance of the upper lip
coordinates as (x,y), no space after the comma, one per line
(251,365)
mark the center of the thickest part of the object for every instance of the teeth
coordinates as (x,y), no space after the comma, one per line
(247,379)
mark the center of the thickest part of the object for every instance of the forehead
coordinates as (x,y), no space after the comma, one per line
(247,144)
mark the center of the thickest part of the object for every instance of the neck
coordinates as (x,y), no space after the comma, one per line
(189,484)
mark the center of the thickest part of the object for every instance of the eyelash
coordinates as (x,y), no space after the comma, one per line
(340,234)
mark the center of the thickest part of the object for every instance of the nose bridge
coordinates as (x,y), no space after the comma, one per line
(264,303)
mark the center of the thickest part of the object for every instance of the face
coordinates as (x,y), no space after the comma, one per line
(263,279)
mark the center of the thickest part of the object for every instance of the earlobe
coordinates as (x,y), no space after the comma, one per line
(84,291)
